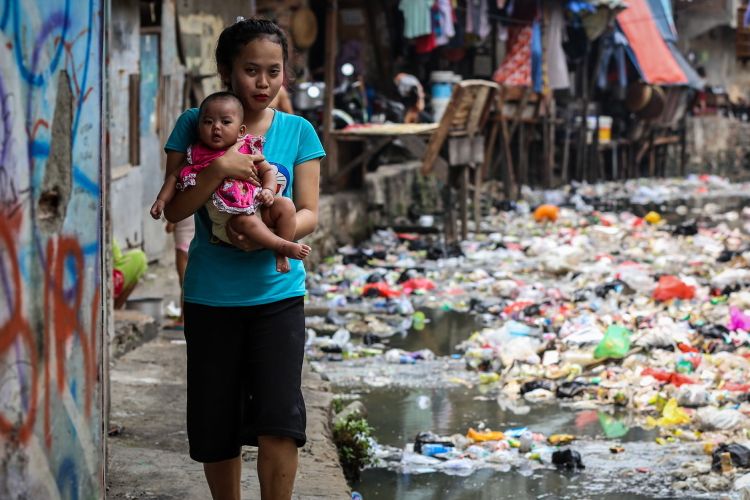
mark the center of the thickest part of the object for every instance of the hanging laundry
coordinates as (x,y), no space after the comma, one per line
(557,64)
(445,29)
(515,70)
(477,18)
(613,45)
(425,44)
(417,17)
(536,56)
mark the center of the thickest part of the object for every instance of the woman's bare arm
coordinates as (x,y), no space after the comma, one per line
(306,196)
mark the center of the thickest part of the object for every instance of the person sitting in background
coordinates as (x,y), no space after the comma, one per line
(412,95)
(127,269)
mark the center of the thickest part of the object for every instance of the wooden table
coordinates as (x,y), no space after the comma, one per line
(375,137)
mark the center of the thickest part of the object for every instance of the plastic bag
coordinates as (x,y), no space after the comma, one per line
(613,428)
(740,456)
(480,437)
(671,415)
(571,389)
(692,396)
(738,320)
(379,289)
(676,379)
(413,284)
(709,419)
(569,459)
(546,213)
(672,287)
(615,344)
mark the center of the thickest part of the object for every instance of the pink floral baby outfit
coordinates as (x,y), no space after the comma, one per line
(233,196)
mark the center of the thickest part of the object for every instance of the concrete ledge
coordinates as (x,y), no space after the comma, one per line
(342,220)
(395,193)
(132,329)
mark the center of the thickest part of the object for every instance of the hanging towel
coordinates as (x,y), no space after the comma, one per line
(477,18)
(557,64)
(417,17)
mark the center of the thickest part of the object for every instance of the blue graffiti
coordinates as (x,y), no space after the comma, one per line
(84,78)
(67,479)
(82,181)
(39,149)
(73,388)
(54,21)
(4,17)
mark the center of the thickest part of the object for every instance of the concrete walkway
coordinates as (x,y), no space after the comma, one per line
(149,459)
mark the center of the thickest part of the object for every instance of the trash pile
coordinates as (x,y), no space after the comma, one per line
(461,455)
(606,309)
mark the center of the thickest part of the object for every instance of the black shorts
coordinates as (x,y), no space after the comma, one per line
(244,368)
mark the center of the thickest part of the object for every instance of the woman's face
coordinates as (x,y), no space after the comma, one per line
(257,73)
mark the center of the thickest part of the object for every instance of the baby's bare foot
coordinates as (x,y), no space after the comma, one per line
(282,264)
(293,250)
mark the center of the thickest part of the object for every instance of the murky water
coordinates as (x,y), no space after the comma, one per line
(410,404)
(442,332)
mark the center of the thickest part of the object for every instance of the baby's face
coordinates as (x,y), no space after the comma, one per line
(219,124)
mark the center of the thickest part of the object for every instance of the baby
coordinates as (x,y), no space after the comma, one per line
(236,202)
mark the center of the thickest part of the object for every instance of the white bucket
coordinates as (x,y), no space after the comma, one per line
(605,129)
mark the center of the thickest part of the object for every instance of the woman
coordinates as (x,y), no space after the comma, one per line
(244,322)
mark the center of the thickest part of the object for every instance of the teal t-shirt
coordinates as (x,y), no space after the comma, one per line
(221,275)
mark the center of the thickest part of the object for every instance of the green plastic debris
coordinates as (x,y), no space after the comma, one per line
(418,321)
(615,344)
(613,427)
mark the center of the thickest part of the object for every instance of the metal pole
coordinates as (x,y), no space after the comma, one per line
(330,80)
(253,8)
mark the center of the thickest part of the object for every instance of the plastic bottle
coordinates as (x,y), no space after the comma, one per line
(726,463)
(526,442)
(405,359)
(341,337)
(432,449)
(684,366)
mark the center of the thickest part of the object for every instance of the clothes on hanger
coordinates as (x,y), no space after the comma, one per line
(417,17)
(477,18)
(445,22)
(557,65)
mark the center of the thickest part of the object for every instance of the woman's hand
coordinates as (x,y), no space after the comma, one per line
(237,165)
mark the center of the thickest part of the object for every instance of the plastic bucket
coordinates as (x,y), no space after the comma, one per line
(605,129)
(441,88)
(150,306)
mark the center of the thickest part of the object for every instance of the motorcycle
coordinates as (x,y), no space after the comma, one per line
(352,104)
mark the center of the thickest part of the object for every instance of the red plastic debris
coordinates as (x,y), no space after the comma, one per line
(413,284)
(672,287)
(380,289)
(676,379)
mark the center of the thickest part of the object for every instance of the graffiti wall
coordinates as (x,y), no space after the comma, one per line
(50,249)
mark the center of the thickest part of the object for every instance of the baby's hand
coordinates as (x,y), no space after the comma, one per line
(157,208)
(265,197)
